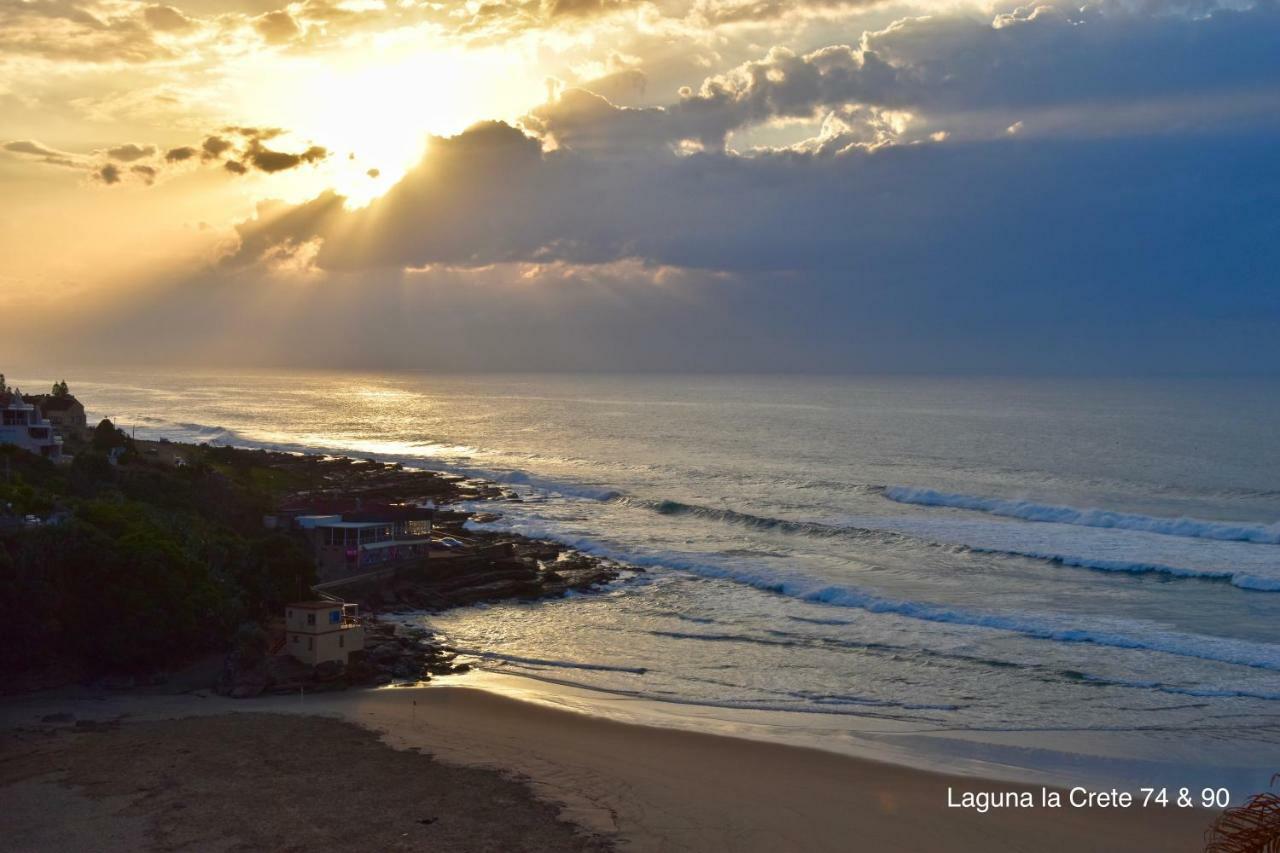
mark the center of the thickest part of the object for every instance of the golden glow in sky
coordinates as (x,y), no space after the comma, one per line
(373,109)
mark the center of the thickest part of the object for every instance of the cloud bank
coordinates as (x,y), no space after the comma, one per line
(1045,187)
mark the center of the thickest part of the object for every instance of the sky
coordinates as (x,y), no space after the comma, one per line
(920,186)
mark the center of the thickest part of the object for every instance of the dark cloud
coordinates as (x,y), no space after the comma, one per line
(267,160)
(757,11)
(1035,58)
(950,252)
(581,8)
(147,173)
(214,147)
(261,133)
(130,151)
(243,146)
(50,156)
(167,19)
(277,27)
(1035,256)
(28,146)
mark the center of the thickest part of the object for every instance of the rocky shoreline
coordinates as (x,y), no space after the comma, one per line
(496,567)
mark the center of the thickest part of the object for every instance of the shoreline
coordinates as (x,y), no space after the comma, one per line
(669,789)
(1013,756)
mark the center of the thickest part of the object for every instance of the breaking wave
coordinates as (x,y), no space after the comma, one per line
(757,522)
(1267,534)
(1254,583)
(1117,633)
(897,532)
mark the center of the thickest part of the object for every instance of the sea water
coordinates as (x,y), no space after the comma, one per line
(1013,572)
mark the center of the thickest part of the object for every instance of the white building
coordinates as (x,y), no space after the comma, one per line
(22,425)
(318,631)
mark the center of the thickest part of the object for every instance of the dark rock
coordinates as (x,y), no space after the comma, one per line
(330,670)
(384,653)
(246,691)
(94,725)
(282,668)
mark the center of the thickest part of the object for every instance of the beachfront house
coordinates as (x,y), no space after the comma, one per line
(64,411)
(319,631)
(366,540)
(22,425)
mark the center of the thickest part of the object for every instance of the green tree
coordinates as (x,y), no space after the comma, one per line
(106,436)
(60,389)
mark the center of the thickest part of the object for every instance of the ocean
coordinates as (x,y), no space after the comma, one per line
(1035,578)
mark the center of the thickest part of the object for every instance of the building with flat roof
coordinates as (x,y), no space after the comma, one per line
(22,425)
(355,543)
(319,631)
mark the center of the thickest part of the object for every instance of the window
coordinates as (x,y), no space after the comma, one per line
(335,617)
(311,619)
(342,641)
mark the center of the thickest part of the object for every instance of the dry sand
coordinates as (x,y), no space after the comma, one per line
(257,782)
(653,789)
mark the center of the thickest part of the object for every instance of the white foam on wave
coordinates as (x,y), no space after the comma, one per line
(1241,564)
(1253,583)
(1132,552)
(1112,633)
(1267,534)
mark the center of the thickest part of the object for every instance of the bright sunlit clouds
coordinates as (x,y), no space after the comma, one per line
(372,106)
(595,173)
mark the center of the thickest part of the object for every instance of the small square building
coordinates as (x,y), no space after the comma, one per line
(319,631)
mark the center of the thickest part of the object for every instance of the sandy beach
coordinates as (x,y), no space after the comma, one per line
(647,788)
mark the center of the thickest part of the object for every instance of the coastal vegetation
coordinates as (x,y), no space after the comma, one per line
(120,562)
(141,556)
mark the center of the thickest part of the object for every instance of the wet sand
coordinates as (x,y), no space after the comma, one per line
(653,789)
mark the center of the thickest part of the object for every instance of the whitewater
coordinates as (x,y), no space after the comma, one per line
(998,570)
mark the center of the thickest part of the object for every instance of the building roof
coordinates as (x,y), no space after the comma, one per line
(314,605)
(390,513)
(351,509)
(50,403)
(357,525)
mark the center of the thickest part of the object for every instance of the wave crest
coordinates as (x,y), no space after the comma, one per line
(1195,528)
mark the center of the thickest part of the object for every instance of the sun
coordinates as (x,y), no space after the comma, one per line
(374,109)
